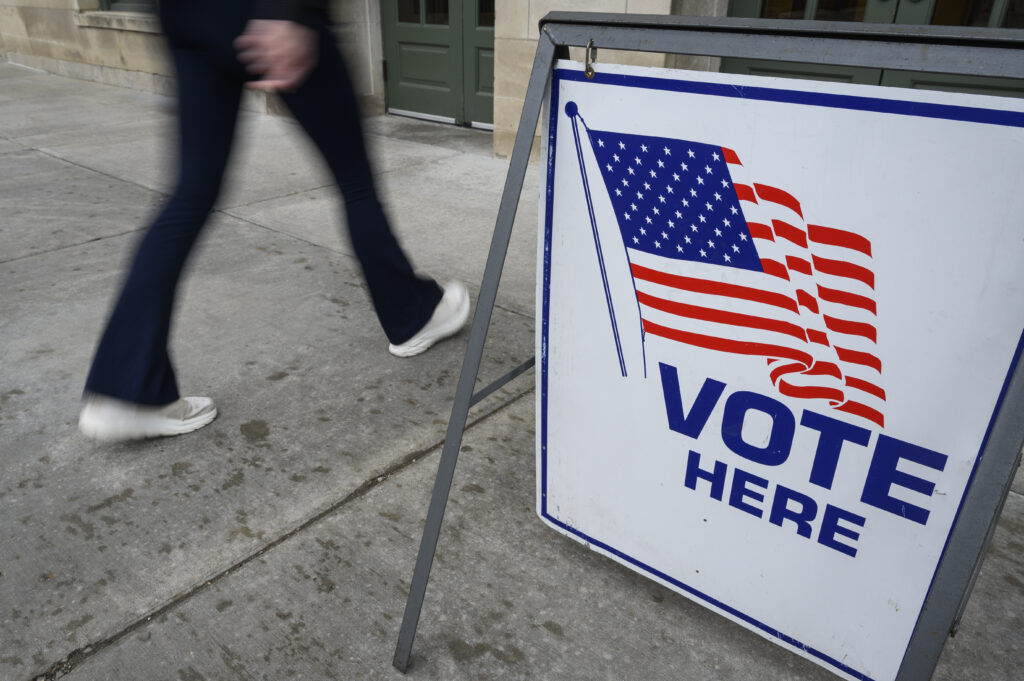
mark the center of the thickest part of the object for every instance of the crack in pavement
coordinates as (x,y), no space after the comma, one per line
(75,658)
(57,249)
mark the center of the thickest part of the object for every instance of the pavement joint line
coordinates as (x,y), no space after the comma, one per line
(339,251)
(64,248)
(54,156)
(383,136)
(77,657)
(250,221)
(226,210)
(518,313)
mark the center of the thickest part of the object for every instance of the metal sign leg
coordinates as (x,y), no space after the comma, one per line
(478,335)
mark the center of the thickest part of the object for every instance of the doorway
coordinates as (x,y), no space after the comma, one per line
(439,60)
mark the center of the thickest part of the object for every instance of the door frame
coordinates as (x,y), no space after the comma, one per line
(462,35)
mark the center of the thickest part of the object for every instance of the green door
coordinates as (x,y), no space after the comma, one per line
(992,13)
(478,63)
(439,59)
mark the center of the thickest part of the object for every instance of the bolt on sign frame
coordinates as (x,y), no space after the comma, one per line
(935,49)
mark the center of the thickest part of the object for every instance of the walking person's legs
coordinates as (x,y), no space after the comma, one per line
(414,311)
(131,390)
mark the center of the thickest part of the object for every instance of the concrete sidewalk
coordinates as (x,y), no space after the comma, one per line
(278,543)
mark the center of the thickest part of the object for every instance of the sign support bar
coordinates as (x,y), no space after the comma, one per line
(940,49)
(542,65)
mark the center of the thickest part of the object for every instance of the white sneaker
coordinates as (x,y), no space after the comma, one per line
(449,316)
(105,418)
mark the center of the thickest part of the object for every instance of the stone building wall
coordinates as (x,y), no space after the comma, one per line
(77,38)
(515,42)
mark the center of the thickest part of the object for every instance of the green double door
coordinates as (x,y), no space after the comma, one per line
(439,59)
(991,13)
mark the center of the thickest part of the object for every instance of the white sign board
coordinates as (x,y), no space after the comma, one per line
(778,318)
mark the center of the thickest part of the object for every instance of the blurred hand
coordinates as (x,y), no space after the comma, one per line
(282,53)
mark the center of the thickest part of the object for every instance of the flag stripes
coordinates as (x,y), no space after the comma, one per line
(723,262)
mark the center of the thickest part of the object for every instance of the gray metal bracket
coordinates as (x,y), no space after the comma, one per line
(542,64)
(936,49)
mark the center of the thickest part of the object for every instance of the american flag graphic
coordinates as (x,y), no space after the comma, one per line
(723,262)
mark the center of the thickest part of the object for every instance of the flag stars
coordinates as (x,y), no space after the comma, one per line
(600,143)
(726,222)
(653,174)
(633,206)
(679,248)
(700,180)
(708,169)
(675,176)
(735,248)
(643,148)
(664,235)
(714,155)
(708,206)
(661,164)
(668,188)
(702,218)
(711,244)
(686,204)
(661,199)
(689,152)
(647,185)
(693,227)
(667,152)
(733,210)
(693,192)
(671,224)
(718,232)
(621,145)
(684,166)
(609,167)
(743,236)
(657,244)
(718,197)
(727,258)
(615,157)
(635,240)
(626,214)
(648,218)
(679,215)
(643,232)
(625,182)
(640,196)
(637,161)
(703,253)
(630,169)
(687,239)
(618,192)
(656,211)
(725,183)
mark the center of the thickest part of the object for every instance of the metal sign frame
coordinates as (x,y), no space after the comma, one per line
(935,49)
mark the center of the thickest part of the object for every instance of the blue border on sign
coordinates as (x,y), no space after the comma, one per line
(858,103)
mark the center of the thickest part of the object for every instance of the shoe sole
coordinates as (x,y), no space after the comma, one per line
(450,329)
(147,428)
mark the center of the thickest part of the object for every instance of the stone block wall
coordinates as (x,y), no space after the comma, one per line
(515,42)
(76,38)
(73,38)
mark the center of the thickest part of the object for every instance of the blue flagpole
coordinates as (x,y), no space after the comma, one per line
(573,113)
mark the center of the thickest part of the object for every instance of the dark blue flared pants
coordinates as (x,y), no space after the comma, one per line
(132,361)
